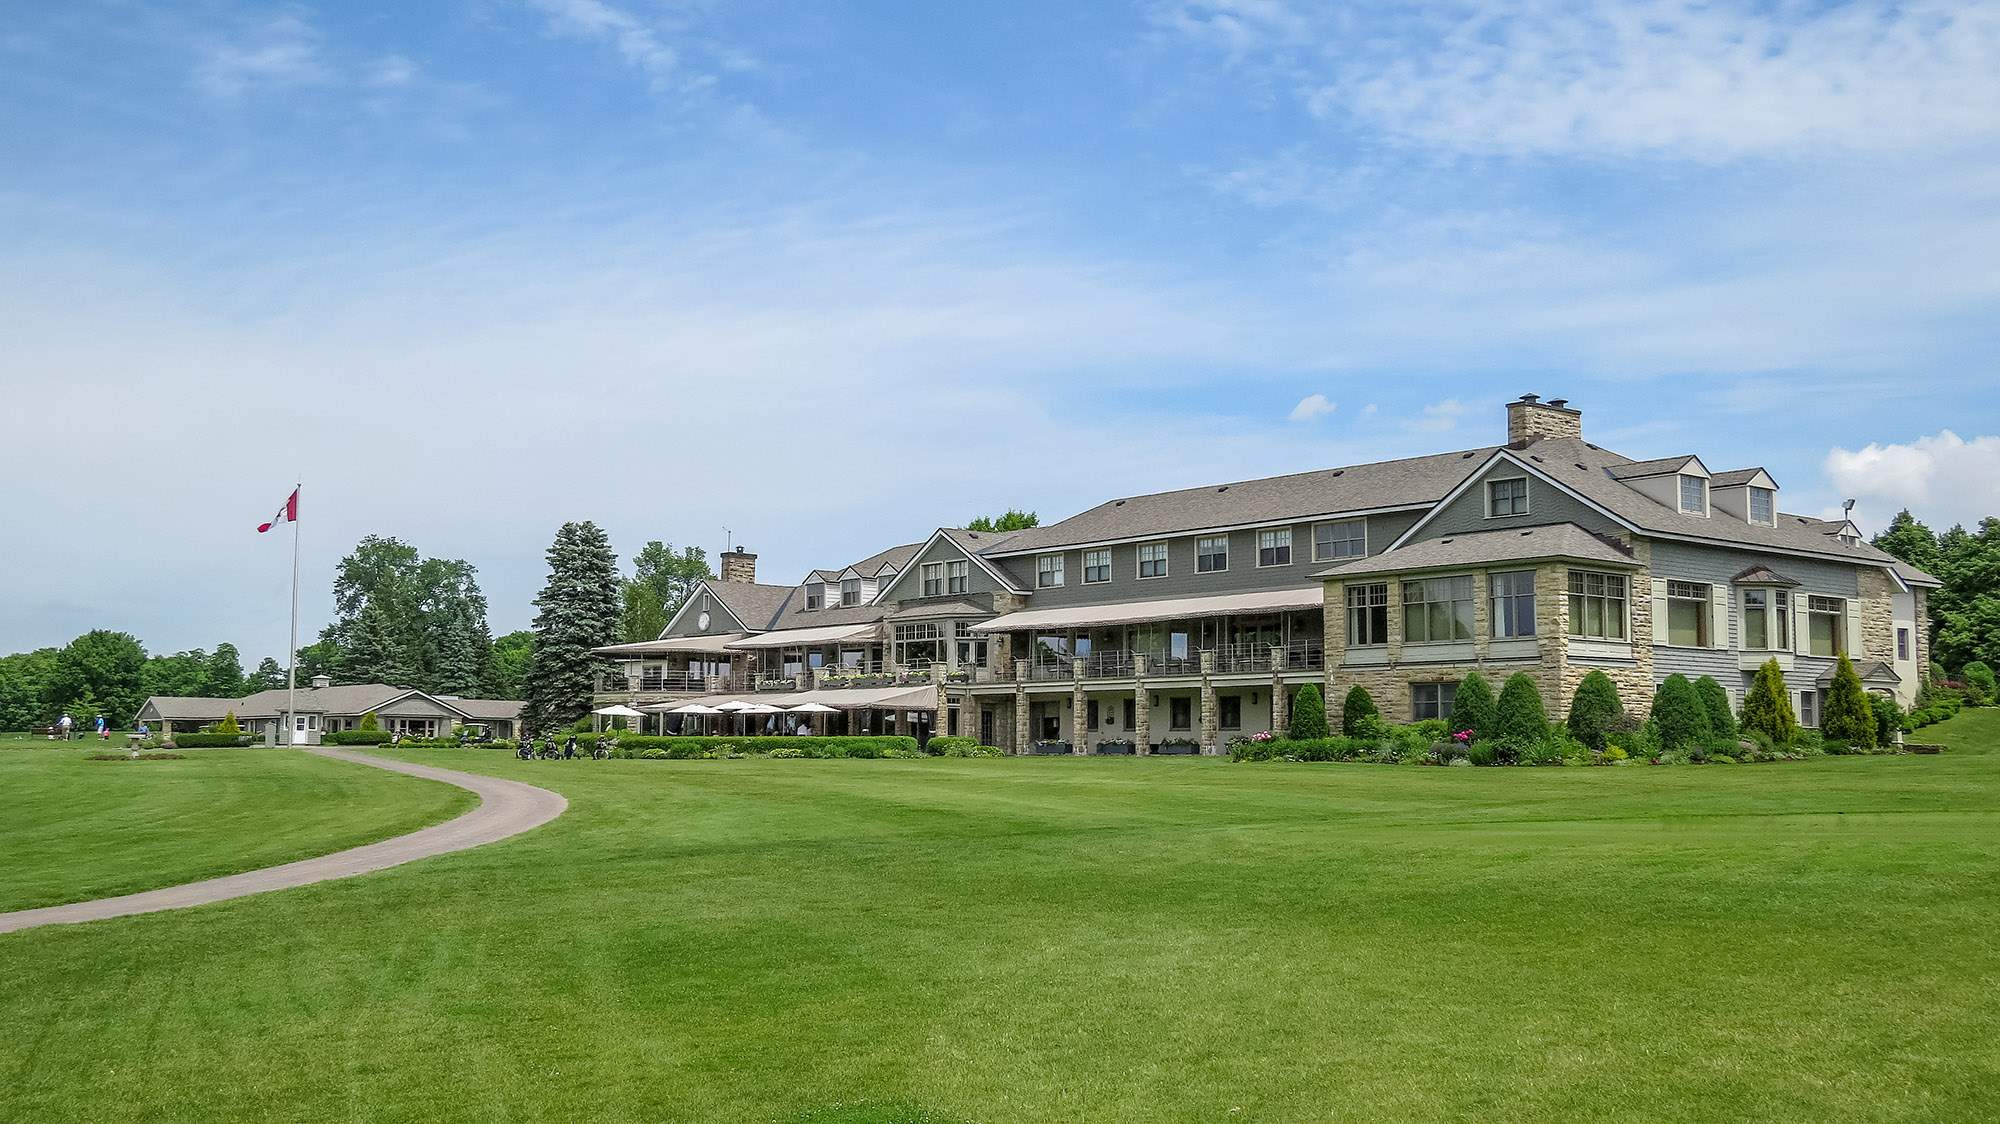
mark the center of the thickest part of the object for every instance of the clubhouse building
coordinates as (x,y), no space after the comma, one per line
(323,708)
(1170,622)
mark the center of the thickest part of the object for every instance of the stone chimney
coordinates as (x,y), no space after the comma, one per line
(739,566)
(320,682)
(1532,419)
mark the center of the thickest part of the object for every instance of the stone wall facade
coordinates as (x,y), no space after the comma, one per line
(1878,616)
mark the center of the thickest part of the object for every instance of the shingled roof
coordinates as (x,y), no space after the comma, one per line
(1514,544)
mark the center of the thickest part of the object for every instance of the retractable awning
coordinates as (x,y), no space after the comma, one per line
(804,637)
(717,644)
(1140,612)
(857,698)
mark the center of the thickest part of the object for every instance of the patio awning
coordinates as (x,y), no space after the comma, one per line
(716,644)
(858,698)
(804,637)
(1139,612)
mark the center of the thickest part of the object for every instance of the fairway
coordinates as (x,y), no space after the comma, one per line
(72,828)
(1060,940)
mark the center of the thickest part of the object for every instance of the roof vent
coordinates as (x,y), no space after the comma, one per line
(1467,455)
(1447,540)
(1531,398)
(1528,532)
(1579,464)
(1559,403)
(1224,488)
(1338,471)
(1588,445)
(1535,458)
(1120,503)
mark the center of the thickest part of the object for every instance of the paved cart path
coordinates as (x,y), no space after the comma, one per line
(506,808)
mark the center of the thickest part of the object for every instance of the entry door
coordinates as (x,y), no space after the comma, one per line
(299,734)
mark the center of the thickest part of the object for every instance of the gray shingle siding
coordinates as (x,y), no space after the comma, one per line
(910,587)
(1680,561)
(1467,513)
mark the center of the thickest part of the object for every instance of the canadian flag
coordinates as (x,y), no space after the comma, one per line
(286,514)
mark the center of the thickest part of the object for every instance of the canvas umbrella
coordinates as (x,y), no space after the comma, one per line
(619,710)
(814,708)
(731,706)
(693,708)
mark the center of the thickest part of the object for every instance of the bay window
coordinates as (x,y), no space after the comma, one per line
(1597,605)
(1437,610)
(1767,620)
(1367,614)
(1513,596)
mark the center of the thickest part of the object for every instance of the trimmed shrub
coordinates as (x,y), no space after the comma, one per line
(1473,708)
(944,745)
(1595,710)
(1520,718)
(369,723)
(1356,710)
(1679,718)
(357,737)
(1715,699)
(1888,719)
(1978,680)
(228,725)
(211,740)
(1767,709)
(1849,717)
(1308,714)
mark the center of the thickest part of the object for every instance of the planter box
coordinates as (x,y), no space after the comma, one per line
(1177,749)
(1049,749)
(1113,749)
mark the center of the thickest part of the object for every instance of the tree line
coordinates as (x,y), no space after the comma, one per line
(1965,614)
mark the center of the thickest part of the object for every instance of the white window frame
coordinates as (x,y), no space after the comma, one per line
(1681,497)
(933,579)
(1494,597)
(1527,504)
(1770,497)
(1153,552)
(1280,539)
(1776,612)
(1839,637)
(1048,571)
(815,595)
(1623,597)
(1335,555)
(957,576)
(844,591)
(1684,593)
(1199,554)
(1103,562)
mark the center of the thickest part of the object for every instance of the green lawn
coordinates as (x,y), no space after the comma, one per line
(72,829)
(1065,940)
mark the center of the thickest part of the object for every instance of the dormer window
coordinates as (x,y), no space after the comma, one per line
(850,591)
(1694,495)
(816,595)
(1763,507)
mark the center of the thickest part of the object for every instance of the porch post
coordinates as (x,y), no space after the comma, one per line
(1078,708)
(1142,714)
(1021,706)
(1208,715)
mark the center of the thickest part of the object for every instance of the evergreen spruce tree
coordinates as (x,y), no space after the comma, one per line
(1849,716)
(1520,716)
(375,651)
(1767,708)
(579,610)
(229,725)
(1679,717)
(1715,700)
(1356,710)
(1595,710)
(1308,714)
(1472,708)
(268,677)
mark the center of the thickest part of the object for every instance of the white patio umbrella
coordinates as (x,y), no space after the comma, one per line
(731,706)
(761,708)
(694,708)
(619,710)
(814,708)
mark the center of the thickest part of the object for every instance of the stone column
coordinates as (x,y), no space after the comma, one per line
(1209,718)
(1079,709)
(1280,703)
(941,721)
(1021,731)
(1142,713)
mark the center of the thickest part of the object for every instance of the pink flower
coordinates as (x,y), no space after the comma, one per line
(1463,736)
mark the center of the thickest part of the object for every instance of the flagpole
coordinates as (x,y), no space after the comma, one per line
(292,661)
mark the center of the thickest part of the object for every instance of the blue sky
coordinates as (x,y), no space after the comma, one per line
(833,275)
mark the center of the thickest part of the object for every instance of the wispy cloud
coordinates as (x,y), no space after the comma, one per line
(1437,417)
(1311,408)
(638,42)
(283,50)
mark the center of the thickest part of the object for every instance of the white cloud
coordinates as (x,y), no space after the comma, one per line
(1438,417)
(1312,407)
(281,51)
(1370,410)
(392,70)
(637,42)
(1942,477)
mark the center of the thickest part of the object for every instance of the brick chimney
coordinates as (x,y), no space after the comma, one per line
(1532,419)
(739,566)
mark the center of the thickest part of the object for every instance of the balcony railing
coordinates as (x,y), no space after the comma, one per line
(1052,670)
(1164,663)
(1234,659)
(1305,655)
(1109,664)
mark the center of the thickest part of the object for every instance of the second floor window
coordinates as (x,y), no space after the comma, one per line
(1367,614)
(1826,626)
(933,579)
(1694,495)
(1096,567)
(850,591)
(1687,614)
(1507,497)
(1347,538)
(1767,617)
(1513,604)
(815,596)
(1762,509)
(1902,643)
(1436,610)
(954,577)
(1211,555)
(1274,547)
(1048,571)
(1152,560)
(1597,605)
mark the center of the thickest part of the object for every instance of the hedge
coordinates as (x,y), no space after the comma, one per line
(356,737)
(211,741)
(1519,716)
(1595,710)
(1356,711)
(1473,708)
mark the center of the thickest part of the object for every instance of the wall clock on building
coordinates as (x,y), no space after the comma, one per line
(701,622)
